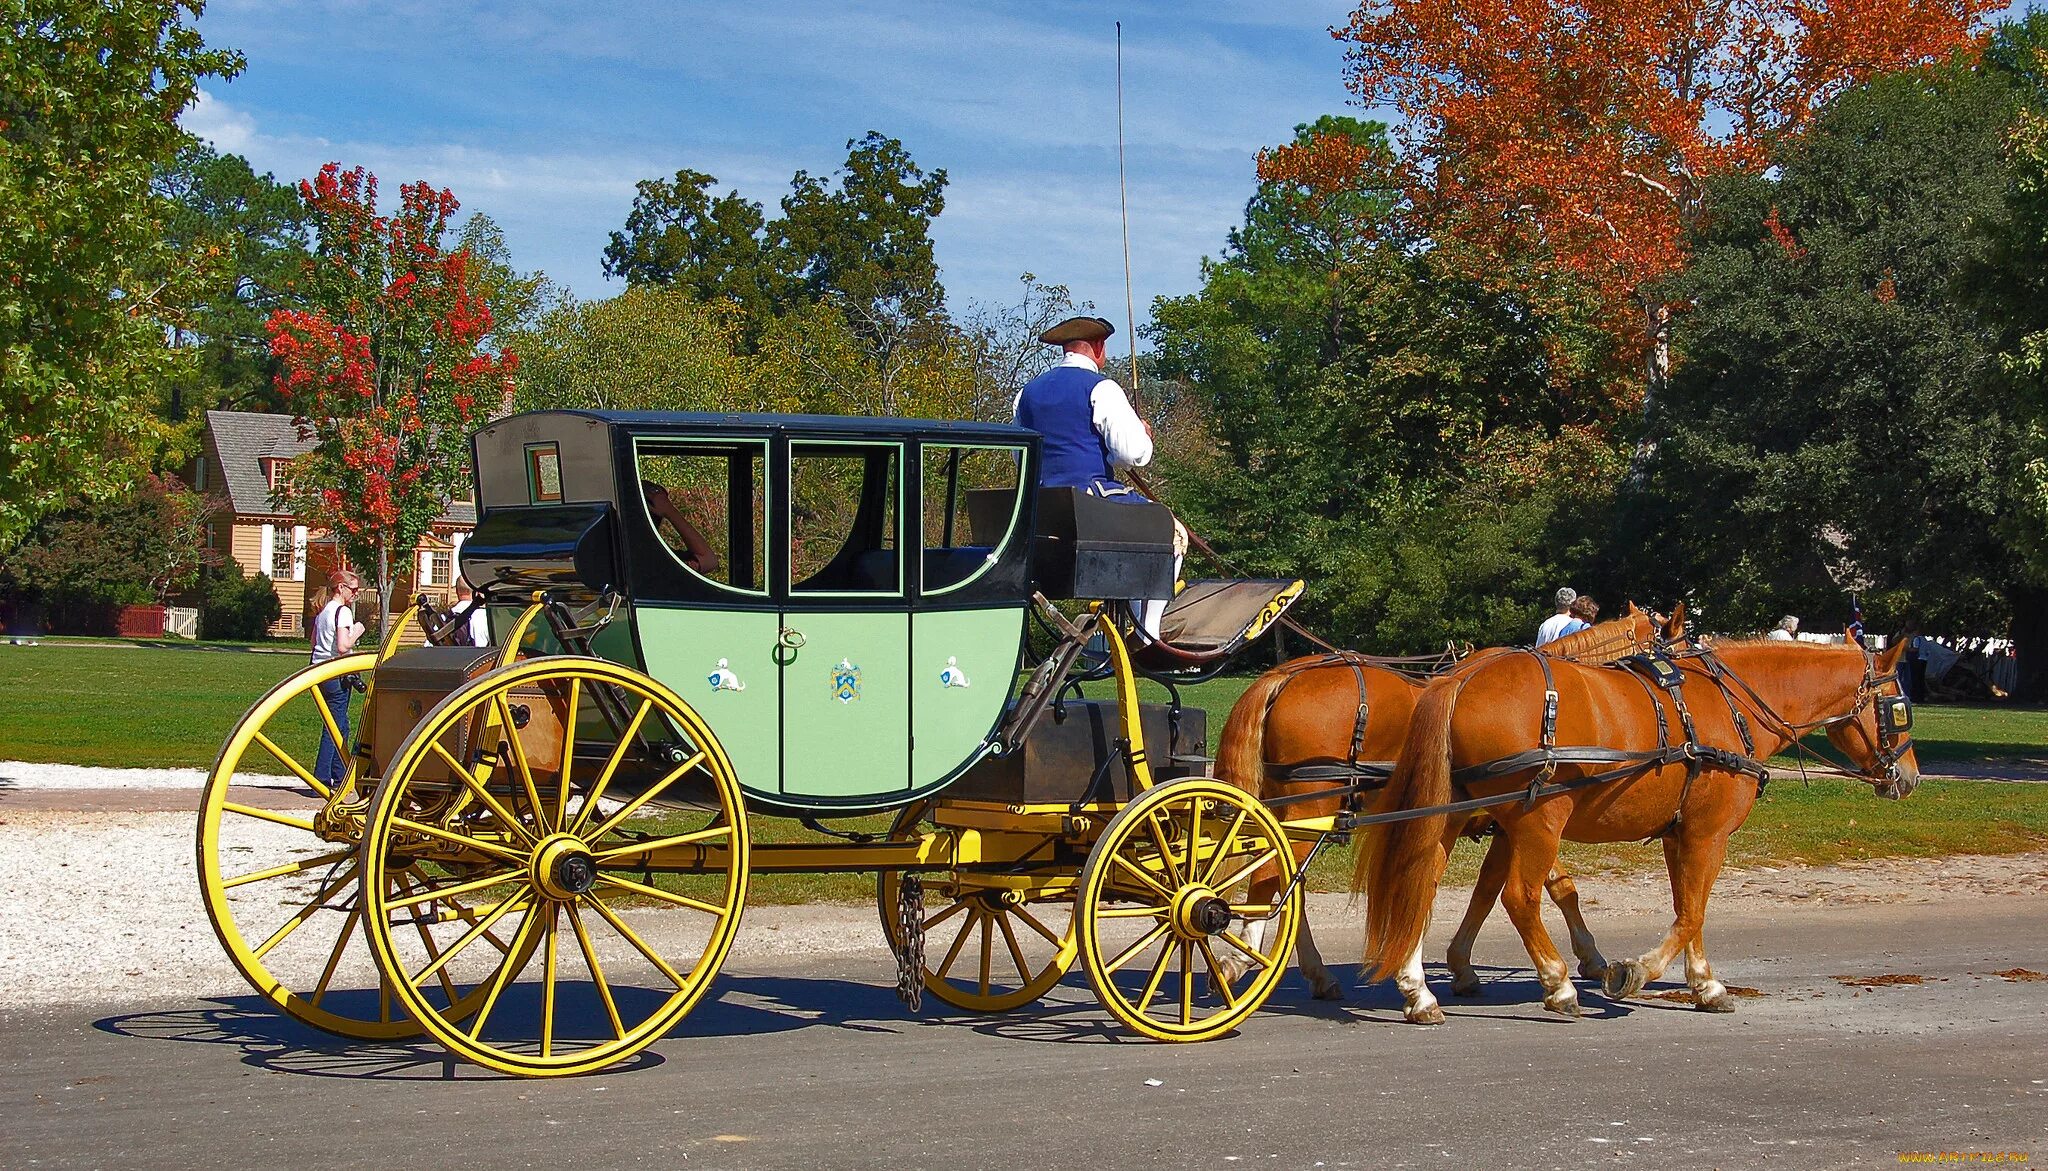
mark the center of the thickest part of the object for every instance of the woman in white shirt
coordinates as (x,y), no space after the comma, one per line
(335,631)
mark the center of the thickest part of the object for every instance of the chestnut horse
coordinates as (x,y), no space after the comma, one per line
(1346,715)
(1490,711)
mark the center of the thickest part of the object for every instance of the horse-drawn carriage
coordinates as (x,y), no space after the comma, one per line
(543,847)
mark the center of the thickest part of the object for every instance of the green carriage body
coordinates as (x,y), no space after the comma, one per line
(857,644)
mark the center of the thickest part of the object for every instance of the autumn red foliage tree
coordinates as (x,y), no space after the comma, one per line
(1580,134)
(384,369)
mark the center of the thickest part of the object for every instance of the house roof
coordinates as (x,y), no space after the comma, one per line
(245,439)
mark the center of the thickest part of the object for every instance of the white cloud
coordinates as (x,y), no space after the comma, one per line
(212,119)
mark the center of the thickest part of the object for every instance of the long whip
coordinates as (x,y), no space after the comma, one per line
(1124,198)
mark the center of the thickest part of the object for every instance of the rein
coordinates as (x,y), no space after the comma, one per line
(1894,725)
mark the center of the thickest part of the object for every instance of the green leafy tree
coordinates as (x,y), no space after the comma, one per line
(517,300)
(649,348)
(142,547)
(90,95)
(679,235)
(1839,420)
(217,202)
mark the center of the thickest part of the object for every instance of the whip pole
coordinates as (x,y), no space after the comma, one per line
(1124,199)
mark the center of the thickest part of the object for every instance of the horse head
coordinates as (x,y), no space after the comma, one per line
(1878,735)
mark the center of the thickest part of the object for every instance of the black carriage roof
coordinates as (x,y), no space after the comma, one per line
(711,423)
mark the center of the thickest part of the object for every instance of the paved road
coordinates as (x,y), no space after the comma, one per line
(815,1065)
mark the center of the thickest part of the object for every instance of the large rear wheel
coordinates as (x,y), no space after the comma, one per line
(490,798)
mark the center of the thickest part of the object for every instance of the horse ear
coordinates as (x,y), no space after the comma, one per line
(1675,625)
(1889,656)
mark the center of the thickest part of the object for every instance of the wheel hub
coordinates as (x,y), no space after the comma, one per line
(562,868)
(1199,912)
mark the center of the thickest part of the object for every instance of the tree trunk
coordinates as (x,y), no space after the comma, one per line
(383,589)
(1656,376)
(2030,642)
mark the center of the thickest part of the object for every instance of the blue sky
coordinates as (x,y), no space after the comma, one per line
(544,115)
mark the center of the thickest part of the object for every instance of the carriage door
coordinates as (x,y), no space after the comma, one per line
(845,651)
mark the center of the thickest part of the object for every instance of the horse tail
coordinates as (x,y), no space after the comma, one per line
(1400,862)
(1241,757)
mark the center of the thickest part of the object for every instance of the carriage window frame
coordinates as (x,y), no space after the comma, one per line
(767,487)
(790,588)
(546,454)
(996,551)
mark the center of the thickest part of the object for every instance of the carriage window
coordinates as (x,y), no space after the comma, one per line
(844,522)
(970,507)
(708,504)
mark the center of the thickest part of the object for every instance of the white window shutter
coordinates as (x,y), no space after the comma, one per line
(426,568)
(298,552)
(455,557)
(269,548)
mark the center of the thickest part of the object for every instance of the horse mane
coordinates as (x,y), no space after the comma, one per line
(1602,643)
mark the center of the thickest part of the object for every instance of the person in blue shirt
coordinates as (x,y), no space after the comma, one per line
(1090,430)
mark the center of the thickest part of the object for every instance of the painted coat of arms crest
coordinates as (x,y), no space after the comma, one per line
(845,681)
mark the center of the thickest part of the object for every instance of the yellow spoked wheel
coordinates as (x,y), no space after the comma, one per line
(1162,900)
(986,948)
(520,790)
(279,890)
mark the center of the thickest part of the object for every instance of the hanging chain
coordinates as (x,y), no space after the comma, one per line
(910,953)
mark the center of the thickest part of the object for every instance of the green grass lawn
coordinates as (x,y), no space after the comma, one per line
(163,707)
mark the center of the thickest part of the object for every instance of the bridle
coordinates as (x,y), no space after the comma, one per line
(1894,721)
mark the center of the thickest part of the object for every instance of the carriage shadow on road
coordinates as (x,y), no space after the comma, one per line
(745,1006)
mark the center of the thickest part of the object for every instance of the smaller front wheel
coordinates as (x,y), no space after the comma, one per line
(1163,899)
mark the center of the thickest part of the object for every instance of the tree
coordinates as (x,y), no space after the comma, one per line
(1365,395)
(679,236)
(258,226)
(89,100)
(649,348)
(1839,420)
(517,300)
(139,548)
(385,370)
(1583,136)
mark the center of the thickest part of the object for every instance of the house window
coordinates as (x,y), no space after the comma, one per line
(280,566)
(440,568)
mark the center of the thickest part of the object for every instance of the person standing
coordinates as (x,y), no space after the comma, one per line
(1586,610)
(477,628)
(1787,629)
(1561,623)
(1091,431)
(335,631)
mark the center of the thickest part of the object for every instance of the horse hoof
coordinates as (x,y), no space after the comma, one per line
(1465,987)
(1623,979)
(1593,969)
(1721,1003)
(1330,990)
(1564,1008)
(1431,1015)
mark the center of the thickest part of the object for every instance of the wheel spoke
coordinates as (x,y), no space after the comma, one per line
(483,794)
(425,894)
(960,940)
(1244,947)
(301,865)
(291,762)
(665,896)
(1260,859)
(1159,839)
(1217,979)
(269,815)
(611,766)
(633,806)
(334,957)
(1133,912)
(1031,921)
(1138,872)
(944,915)
(480,928)
(433,950)
(568,749)
(449,835)
(547,985)
(1223,845)
(317,903)
(518,753)
(716,831)
(1187,982)
(505,973)
(1130,953)
(1158,976)
(1016,952)
(604,990)
(619,926)
(987,945)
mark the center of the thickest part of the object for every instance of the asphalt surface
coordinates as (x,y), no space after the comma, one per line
(814,1064)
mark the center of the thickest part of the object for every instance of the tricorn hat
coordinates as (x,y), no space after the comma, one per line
(1077,329)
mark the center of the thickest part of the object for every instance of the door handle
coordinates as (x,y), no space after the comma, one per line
(789,638)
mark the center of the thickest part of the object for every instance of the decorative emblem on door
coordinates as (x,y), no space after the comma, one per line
(845,681)
(953,676)
(726,679)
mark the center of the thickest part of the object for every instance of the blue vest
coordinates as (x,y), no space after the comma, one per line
(1056,405)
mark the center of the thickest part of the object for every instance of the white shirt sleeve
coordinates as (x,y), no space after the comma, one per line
(1123,433)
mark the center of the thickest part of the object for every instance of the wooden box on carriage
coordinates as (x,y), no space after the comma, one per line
(1090,547)
(406,687)
(1071,744)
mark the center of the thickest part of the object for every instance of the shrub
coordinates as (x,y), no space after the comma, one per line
(237,607)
